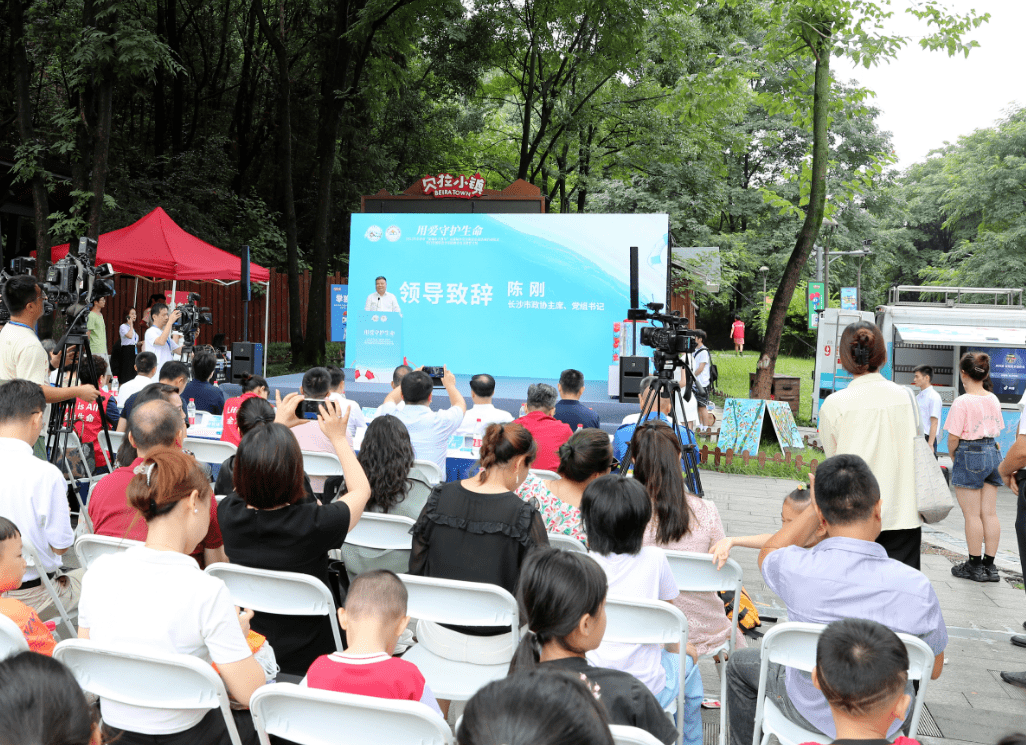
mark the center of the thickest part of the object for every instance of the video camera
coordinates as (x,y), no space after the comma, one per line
(19,266)
(192,317)
(669,341)
(74,283)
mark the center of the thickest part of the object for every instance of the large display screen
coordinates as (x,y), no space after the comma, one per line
(510,295)
(1007,371)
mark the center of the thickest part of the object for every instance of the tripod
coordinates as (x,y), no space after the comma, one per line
(665,387)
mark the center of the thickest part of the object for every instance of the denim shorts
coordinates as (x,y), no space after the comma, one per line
(976,463)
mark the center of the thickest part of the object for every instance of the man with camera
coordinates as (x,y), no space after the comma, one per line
(21,353)
(158,336)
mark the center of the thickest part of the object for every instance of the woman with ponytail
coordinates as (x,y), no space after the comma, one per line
(563,595)
(156,597)
(874,418)
(973,422)
(479,530)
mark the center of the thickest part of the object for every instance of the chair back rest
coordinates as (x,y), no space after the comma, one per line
(544,475)
(634,621)
(418,487)
(566,543)
(626,735)
(321,465)
(88,547)
(209,451)
(12,641)
(116,438)
(427,471)
(381,531)
(311,717)
(457,602)
(695,572)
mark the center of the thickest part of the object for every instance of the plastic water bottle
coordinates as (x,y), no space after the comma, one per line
(478,434)
(114,385)
(523,409)
(192,411)
(579,426)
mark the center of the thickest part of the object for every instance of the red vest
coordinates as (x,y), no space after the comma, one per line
(230,418)
(88,426)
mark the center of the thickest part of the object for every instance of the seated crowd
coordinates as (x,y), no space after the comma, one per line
(566,682)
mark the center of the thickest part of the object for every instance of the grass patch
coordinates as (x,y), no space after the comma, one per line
(279,358)
(734,372)
(771,469)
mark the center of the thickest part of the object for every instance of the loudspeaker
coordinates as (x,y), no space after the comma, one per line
(632,371)
(246,358)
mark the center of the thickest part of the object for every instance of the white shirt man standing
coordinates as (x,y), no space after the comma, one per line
(381,300)
(930,404)
(482,388)
(429,430)
(158,336)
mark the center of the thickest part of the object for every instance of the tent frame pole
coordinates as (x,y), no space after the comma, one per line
(267,320)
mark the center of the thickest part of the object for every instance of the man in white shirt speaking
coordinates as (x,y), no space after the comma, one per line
(380,299)
(482,388)
(930,404)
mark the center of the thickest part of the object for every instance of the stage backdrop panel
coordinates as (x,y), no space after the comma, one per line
(513,295)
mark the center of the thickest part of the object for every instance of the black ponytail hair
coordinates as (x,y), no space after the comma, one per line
(556,589)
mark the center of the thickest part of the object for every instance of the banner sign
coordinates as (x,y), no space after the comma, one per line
(377,348)
(816,297)
(507,294)
(447,185)
(339,311)
(849,298)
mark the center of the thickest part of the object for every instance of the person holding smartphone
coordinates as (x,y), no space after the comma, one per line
(429,430)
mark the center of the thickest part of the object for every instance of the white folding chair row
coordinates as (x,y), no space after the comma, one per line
(209,451)
(321,465)
(695,572)
(566,543)
(284,593)
(634,621)
(12,641)
(32,560)
(794,645)
(544,475)
(91,546)
(427,470)
(378,531)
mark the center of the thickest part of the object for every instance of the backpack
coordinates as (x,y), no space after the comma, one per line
(748,619)
(714,374)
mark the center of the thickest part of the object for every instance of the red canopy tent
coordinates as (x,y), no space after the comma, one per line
(155,247)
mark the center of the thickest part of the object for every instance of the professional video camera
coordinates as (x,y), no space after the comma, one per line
(74,283)
(19,266)
(192,317)
(672,339)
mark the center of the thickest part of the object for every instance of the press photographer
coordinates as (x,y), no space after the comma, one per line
(192,317)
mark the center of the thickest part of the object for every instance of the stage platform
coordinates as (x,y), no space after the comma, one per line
(510,393)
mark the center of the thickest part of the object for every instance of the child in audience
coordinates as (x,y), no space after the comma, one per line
(862,670)
(618,510)
(795,504)
(563,594)
(40,702)
(373,618)
(12,567)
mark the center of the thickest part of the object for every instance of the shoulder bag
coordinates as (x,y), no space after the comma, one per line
(932,493)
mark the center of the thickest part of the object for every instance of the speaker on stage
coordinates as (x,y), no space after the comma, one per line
(247,357)
(632,371)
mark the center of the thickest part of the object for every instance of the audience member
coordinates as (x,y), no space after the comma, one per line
(145,367)
(548,432)
(482,413)
(847,574)
(563,596)
(156,426)
(616,512)
(374,617)
(153,392)
(681,522)
(252,386)
(660,409)
(86,416)
(207,396)
(316,385)
(155,597)
(271,523)
(158,336)
(429,430)
(41,703)
(479,530)
(174,374)
(397,379)
(582,459)
(12,569)
(98,329)
(128,347)
(337,392)
(862,670)
(535,708)
(33,495)
(930,405)
(569,408)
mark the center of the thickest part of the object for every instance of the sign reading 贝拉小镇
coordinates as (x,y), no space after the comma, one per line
(447,185)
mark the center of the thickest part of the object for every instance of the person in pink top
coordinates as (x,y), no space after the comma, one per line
(973,422)
(252,386)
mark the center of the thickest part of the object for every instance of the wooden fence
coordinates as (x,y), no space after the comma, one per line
(728,456)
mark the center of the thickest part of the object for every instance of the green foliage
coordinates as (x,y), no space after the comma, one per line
(796,339)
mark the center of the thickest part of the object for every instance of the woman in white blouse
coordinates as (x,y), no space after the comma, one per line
(129,345)
(873,418)
(156,597)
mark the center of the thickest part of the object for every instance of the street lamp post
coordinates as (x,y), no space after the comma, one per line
(764,270)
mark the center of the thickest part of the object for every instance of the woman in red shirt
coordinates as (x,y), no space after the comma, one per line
(252,387)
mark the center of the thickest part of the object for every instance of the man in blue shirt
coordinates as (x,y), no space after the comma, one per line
(208,397)
(569,408)
(660,409)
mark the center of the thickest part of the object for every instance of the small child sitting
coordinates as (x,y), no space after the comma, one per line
(794,504)
(618,509)
(12,569)
(862,670)
(373,618)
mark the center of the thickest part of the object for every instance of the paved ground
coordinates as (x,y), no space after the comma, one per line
(969,702)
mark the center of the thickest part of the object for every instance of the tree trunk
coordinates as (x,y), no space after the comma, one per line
(525,134)
(101,150)
(810,228)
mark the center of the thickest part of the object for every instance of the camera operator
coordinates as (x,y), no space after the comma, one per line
(158,336)
(22,354)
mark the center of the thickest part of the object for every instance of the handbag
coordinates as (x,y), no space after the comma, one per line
(933,497)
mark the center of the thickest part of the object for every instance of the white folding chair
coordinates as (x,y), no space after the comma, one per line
(91,546)
(321,465)
(379,531)
(284,593)
(464,604)
(565,542)
(794,645)
(627,735)
(32,559)
(427,470)
(634,621)
(74,443)
(544,475)
(209,451)
(696,572)
(143,677)
(314,717)
(12,640)
(116,438)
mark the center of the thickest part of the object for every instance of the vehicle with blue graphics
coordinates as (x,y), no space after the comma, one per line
(935,326)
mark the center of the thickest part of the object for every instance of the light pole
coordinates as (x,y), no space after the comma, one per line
(764,270)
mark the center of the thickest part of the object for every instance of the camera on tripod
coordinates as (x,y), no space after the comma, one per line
(19,266)
(672,339)
(192,316)
(74,283)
